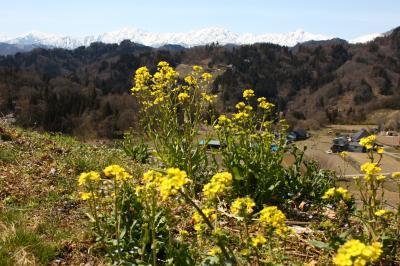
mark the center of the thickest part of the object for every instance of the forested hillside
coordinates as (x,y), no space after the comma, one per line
(86,91)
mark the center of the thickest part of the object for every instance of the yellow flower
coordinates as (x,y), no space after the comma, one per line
(245,252)
(173,182)
(337,192)
(90,176)
(183,233)
(218,184)
(380,150)
(222,119)
(162,64)
(368,142)
(206,76)
(152,176)
(248,108)
(142,77)
(258,240)
(247,94)
(344,154)
(183,96)
(190,80)
(266,105)
(383,213)
(214,251)
(356,253)
(261,99)
(88,195)
(396,174)
(116,172)
(159,99)
(197,68)
(370,168)
(242,206)
(210,213)
(208,98)
(273,218)
(240,116)
(240,105)
(380,177)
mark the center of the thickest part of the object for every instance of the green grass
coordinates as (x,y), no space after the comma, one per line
(41,216)
(19,244)
(8,154)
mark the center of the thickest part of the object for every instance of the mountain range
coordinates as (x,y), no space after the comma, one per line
(86,91)
(28,41)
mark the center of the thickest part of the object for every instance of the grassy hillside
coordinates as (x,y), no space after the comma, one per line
(41,218)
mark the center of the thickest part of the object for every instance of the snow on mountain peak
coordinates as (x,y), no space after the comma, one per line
(366,38)
(186,39)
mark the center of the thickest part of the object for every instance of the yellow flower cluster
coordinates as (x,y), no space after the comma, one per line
(371,169)
(263,104)
(210,213)
(383,213)
(223,120)
(197,68)
(258,240)
(240,105)
(165,76)
(117,172)
(214,251)
(240,116)
(247,94)
(208,98)
(356,253)
(162,86)
(142,78)
(206,76)
(172,182)
(273,218)
(344,154)
(190,80)
(88,195)
(219,183)
(183,96)
(368,142)
(243,206)
(396,175)
(151,179)
(84,177)
(337,192)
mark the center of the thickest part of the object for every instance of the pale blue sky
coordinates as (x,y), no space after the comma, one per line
(342,18)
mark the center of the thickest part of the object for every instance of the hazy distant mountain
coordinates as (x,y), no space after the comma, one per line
(11,49)
(187,39)
(184,39)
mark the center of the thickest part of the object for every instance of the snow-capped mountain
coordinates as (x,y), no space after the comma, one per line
(187,39)
(366,38)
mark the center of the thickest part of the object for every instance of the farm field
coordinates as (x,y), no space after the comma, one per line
(320,142)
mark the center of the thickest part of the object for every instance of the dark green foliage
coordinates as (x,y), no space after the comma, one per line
(135,148)
(304,181)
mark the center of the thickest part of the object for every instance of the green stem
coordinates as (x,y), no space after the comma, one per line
(116,218)
(209,224)
(153,230)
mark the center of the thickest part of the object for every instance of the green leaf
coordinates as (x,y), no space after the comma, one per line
(319,244)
